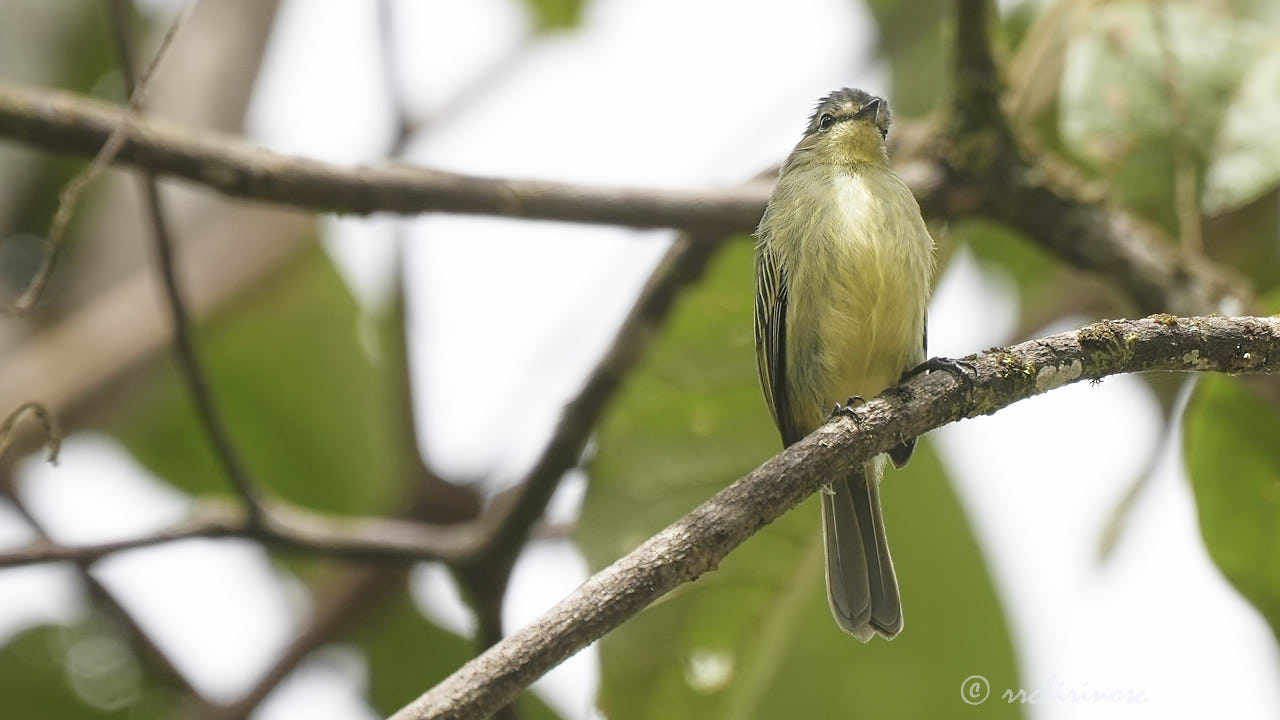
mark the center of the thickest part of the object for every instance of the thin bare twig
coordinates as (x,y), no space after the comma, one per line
(207,521)
(286,527)
(697,542)
(187,358)
(72,191)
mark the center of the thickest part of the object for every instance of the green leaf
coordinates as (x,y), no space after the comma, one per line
(1246,157)
(1244,239)
(1119,70)
(407,655)
(1040,277)
(556,14)
(306,407)
(79,671)
(1141,79)
(755,638)
(1233,455)
(912,40)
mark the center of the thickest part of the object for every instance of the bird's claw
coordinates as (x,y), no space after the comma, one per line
(962,370)
(847,407)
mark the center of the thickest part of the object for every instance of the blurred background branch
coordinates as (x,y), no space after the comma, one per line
(184,349)
(981,174)
(71,193)
(61,122)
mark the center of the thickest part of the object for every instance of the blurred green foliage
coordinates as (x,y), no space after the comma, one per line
(406,654)
(83,670)
(1246,159)
(1039,277)
(305,404)
(1232,450)
(1143,88)
(1149,85)
(914,42)
(556,14)
(1234,460)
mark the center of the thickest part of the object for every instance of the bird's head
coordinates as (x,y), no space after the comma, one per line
(848,127)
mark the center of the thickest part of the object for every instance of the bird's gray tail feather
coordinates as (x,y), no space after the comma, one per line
(861,585)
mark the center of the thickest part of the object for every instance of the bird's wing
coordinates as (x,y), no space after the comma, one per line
(771,341)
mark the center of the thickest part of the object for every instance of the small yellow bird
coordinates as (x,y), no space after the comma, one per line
(844,264)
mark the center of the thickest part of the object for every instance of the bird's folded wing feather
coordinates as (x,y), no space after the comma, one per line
(771,341)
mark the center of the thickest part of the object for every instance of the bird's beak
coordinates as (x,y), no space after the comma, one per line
(869,112)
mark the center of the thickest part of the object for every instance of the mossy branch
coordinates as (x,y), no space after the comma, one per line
(696,543)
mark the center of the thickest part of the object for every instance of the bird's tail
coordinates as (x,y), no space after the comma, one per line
(861,585)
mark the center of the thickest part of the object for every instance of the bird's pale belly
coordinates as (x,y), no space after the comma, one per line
(859,282)
(873,331)
(880,342)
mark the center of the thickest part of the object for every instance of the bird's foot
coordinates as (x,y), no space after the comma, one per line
(962,370)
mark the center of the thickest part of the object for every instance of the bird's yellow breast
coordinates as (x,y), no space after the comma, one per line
(859,262)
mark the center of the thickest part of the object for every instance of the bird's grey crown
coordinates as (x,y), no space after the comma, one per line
(843,104)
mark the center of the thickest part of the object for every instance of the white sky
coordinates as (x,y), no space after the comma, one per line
(661,93)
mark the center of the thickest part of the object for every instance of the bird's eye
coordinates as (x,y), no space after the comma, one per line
(825,121)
